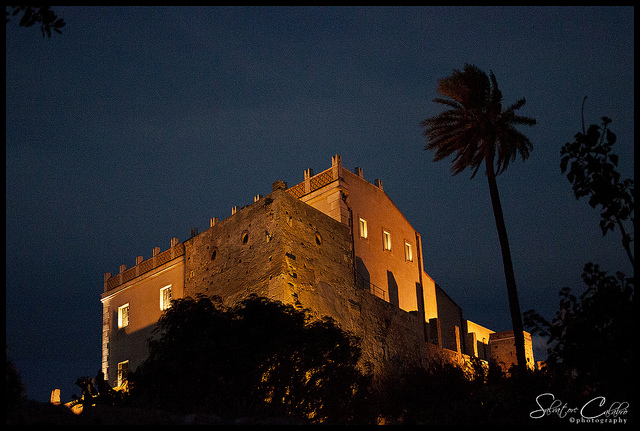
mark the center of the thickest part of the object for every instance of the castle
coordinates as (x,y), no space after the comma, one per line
(333,244)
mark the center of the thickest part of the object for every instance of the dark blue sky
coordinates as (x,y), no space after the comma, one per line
(138,124)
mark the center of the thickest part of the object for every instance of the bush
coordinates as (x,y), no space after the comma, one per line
(260,358)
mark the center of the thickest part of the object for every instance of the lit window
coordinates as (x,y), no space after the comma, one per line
(363,228)
(165,298)
(408,253)
(123,316)
(386,240)
(123,370)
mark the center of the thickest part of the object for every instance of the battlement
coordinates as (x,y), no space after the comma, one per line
(313,182)
(143,266)
(334,244)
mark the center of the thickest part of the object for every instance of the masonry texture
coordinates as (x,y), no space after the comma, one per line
(334,245)
(283,249)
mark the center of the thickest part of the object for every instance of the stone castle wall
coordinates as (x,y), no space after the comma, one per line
(503,350)
(299,246)
(284,249)
(237,256)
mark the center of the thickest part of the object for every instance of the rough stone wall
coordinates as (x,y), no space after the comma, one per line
(297,254)
(284,249)
(503,350)
(237,256)
(325,285)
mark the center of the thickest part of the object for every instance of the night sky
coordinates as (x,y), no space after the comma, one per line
(137,124)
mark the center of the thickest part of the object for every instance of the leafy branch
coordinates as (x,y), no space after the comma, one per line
(587,338)
(592,172)
(37,14)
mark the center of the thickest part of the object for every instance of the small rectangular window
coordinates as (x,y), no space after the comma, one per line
(363,228)
(123,316)
(123,371)
(165,298)
(408,252)
(386,240)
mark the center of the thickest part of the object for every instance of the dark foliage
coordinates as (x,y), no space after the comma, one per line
(476,128)
(590,339)
(592,172)
(37,14)
(590,344)
(259,359)
(442,394)
(15,392)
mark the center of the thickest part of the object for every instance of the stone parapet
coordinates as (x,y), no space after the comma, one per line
(143,266)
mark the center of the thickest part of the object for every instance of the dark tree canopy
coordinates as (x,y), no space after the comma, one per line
(589,340)
(592,171)
(590,337)
(37,14)
(476,127)
(259,357)
(15,392)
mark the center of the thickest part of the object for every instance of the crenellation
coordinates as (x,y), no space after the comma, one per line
(335,245)
(308,173)
(141,266)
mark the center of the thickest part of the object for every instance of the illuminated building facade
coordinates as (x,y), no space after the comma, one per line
(334,244)
(503,350)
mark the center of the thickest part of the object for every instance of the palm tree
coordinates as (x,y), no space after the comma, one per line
(477,130)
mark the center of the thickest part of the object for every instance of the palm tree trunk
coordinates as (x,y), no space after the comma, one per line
(512,291)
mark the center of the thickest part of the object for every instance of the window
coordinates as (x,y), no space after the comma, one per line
(165,298)
(408,253)
(123,316)
(386,240)
(123,370)
(363,228)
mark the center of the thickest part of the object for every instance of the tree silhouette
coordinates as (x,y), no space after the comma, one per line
(478,131)
(590,337)
(15,392)
(259,358)
(592,172)
(37,14)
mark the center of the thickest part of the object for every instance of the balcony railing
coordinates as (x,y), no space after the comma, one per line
(365,284)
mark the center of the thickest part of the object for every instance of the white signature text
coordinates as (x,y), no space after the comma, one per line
(595,409)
